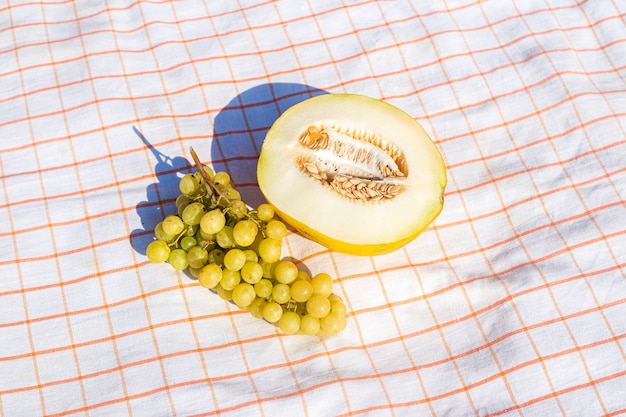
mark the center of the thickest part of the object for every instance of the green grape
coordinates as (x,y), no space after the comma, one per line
(256,307)
(309,325)
(334,297)
(187,243)
(230,279)
(243,294)
(234,196)
(338,307)
(285,272)
(244,232)
(200,241)
(303,275)
(210,275)
(209,173)
(221,179)
(268,268)
(251,255)
(263,288)
(212,222)
(194,271)
(161,235)
(333,323)
(337,304)
(238,209)
(289,322)
(189,185)
(272,312)
(158,251)
(216,256)
(182,199)
(301,290)
(178,259)
(265,212)
(224,294)
(275,229)
(270,250)
(209,237)
(180,209)
(322,284)
(251,272)
(281,293)
(173,225)
(234,259)
(197,257)
(193,213)
(225,239)
(318,306)
(191,230)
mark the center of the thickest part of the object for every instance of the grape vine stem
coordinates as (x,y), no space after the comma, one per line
(208,184)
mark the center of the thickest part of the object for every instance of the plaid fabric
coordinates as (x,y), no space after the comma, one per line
(512,303)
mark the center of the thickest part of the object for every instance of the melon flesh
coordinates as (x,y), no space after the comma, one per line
(358,226)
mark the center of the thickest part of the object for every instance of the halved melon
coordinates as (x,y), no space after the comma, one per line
(352,173)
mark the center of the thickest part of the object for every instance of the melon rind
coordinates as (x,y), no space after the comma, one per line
(359,228)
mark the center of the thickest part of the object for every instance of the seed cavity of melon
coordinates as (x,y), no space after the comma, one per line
(355,163)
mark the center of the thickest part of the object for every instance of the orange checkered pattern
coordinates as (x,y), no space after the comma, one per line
(512,303)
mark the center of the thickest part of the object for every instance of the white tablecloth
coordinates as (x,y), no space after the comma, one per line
(512,303)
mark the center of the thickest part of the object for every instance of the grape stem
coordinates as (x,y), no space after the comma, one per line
(208,184)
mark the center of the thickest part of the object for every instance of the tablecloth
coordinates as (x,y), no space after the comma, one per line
(511,303)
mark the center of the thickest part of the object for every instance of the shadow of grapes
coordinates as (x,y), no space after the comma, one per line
(238,133)
(160,196)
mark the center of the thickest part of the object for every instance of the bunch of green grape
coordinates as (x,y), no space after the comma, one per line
(236,252)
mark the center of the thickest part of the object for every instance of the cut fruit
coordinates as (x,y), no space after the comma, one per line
(352,173)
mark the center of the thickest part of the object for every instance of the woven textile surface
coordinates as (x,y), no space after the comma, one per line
(511,303)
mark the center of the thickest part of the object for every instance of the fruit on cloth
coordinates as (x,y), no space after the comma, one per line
(236,252)
(352,173)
